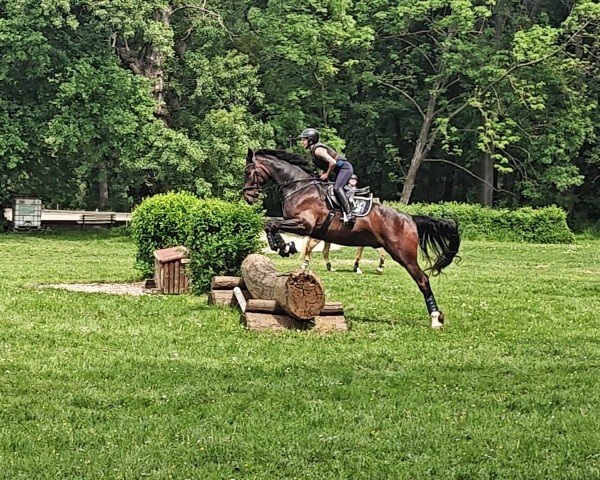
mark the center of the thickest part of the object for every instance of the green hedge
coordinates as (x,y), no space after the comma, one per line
(218,234)
(161,221)
(222,234)
(541,225)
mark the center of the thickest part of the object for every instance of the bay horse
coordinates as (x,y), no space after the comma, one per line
(305,212)
(311,243)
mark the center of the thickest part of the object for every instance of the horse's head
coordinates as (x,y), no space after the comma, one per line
(256,175)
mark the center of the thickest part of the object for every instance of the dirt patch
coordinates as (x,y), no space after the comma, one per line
(135,289)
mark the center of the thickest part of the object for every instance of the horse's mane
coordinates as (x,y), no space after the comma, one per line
(291,158)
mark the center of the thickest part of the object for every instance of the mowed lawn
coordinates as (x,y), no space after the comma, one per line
(104,386)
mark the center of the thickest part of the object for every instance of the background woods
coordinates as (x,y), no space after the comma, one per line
(103,102)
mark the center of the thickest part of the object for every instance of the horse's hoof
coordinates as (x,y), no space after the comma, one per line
(328,267)
(379,270)
(304,266)
(292,248)
(437,320)
(358,271)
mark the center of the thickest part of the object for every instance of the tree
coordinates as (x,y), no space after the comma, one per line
(307,51)
(445,68)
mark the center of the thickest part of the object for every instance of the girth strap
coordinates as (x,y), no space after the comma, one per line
(323,228)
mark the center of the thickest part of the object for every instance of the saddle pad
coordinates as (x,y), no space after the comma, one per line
(362,206)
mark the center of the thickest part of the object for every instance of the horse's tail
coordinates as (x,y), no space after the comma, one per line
(440,237)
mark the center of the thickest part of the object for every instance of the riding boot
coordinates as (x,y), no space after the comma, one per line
(345,204)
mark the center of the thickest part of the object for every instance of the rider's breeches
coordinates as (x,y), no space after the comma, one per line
(343,176)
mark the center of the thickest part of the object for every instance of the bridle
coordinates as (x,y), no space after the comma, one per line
(259,175)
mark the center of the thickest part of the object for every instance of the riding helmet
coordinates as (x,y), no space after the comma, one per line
(311,134)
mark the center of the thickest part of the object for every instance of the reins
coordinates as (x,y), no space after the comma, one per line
(312,181)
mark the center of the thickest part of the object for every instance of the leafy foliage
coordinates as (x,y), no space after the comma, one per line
(106,102)
(221,235)
(526,224)
(161,221)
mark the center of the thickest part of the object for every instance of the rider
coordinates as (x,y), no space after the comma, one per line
(328,160)
(351,188)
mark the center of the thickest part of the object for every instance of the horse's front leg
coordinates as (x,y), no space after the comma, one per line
(273,244)
(293,225)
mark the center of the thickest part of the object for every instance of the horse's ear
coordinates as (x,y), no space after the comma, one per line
(249,156)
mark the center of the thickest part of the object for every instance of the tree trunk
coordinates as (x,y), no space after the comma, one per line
(155,70)
(486,191)
(448,188)
(103,188)
(150,63)
(299,293)
(423,146)
(411,176)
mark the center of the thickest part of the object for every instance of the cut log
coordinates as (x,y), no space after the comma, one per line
(258,305)
(299,293)
(225,297)
(221,297)
(332,308)
(226,283)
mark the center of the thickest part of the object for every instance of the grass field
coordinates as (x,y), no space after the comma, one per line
(99,386)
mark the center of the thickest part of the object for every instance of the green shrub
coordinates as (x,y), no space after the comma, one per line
(161,221)
(218,234)
(221,235)
(542,225)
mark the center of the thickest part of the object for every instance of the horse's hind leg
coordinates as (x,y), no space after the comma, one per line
(309,245)
(404,252)
(357,257)
(437,317)
(326,248)
(381,252)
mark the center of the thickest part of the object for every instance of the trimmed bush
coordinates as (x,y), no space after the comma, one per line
(221,235)
(541,225)
(218,234)
(161,221)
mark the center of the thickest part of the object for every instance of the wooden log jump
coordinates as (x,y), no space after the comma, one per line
(299,293)
(272,301)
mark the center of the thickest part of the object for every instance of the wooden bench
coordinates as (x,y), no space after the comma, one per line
(97,218)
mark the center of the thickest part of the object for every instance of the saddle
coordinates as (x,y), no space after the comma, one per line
(361,200)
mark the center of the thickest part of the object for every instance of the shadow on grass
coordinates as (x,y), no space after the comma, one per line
(356,320)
